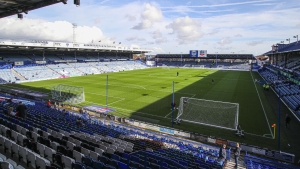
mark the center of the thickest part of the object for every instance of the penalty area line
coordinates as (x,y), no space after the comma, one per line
(264,136)
(129,111)
(262,105)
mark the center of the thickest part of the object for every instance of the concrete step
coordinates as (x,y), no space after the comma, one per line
(231,164)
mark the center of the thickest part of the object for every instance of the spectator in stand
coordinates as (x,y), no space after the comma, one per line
(79,122)
(3,102)
(64,112)
(9,101)
(49,104)
(21,110)
(11,111)
(81,111)
(222,153)
(55,105)
(237,152)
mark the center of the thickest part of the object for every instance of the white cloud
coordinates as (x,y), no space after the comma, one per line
(132,38)
(158,50)
(238,35)
(223,47)
(130,17)
(161,40)
(104,1)
(135,46)
(135,38)
(213,32)
(298,25)
(224,41)
(187,29)
(219,4)
(254,43)
(150,15)
(141,39)
(156,34)
(205,43)
(13,28)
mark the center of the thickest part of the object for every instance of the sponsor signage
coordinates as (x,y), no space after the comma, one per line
(221,142)
(166,130)
(19,63)
(182,134)
(40,62)
(280,156)
(198,53)
(258,151)
(61,61)
(211,140)
(99,109)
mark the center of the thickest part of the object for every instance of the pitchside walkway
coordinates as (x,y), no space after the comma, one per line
(231,164)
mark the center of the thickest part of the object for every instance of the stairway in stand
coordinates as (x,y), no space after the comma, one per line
(231,164)
(18,74)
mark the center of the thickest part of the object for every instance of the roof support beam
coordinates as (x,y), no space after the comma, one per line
(14,9)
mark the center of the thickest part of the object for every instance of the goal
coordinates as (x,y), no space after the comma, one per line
(208,112)
(68,94)
(165,67)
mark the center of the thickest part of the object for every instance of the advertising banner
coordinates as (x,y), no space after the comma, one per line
(280,156)
(211,140)
(19,63)
(258,151)
(182,134)
(198,53)
(193,53)
(152,127)
(98,109)
(41,62)
(166,130)
(221,141)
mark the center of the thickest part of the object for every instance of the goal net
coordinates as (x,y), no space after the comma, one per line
(165,67)
(68,94)
(208,112)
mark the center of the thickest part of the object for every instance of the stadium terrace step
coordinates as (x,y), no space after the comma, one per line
(18,74)
(75,68)
(231,164)
(96,67)
(53,70)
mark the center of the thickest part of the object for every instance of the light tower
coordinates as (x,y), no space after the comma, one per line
(74,32)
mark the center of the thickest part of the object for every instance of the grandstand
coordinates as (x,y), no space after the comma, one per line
(221,61)
(107,142)
(284,74)
(28,66)
(49,138)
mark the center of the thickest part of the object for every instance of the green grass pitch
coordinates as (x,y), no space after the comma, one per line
(147,94)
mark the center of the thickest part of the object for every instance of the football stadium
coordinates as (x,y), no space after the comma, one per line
(94,105)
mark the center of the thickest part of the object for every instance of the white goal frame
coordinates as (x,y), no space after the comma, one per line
(182,104)
(165,67)
(68,94)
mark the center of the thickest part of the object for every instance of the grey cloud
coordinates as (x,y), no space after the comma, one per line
(130,18)
(224,41)
(254,43)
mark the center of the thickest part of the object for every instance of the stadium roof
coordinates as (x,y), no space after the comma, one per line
(47,46)
(284,48)
(209,56)
(12,7)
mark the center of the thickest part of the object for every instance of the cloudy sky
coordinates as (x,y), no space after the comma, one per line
(164,26)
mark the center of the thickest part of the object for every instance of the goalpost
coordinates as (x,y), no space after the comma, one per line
(165,67)
(68,94)
(207,112)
